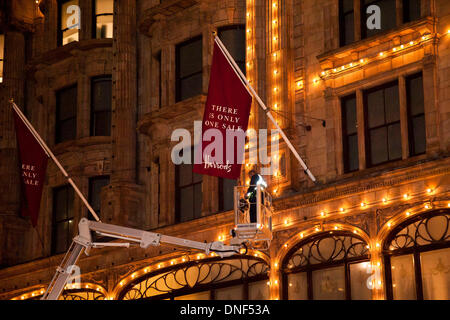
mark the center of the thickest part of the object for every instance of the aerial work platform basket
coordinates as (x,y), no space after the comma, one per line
(253,216)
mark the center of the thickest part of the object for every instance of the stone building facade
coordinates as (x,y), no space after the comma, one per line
(367,109)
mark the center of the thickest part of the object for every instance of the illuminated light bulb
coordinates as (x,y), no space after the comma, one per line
(256,255)
(361,60)
(408,213)
(343,67)
(351,64)
(274,54)
(146,270)
(381,54)
(98,289)
(183,259)
(248,64)
(322,214)
(367,247)
(334,70)
(274,21)
(275,191)
(405,196)
(317,229)
(323,73)
(276,282)
(427,206)
(448,205)
(198,257)
(377,245)
(316,80)
(274,5)
(275,89)
(384,200)
(171,262)
(285,245)
(268,283)
(389,224)
(159,266)
(42,291)
(423,37)
(275,265)
(32,294)
(132,277)
(248,14)
(258,225)
(411,43)
(341,209)
(402,46)
(87,286)
(248,30)
(275,72)
(290,284)
(249,48)
(301,235)
(246,146)
(335,228)
(394,49)
(275,38)
(429,190)
(22,297)
(286,221)
(448,31)
(247,182)
(363,204)
(355,232)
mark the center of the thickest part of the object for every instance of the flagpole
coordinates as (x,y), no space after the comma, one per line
(51,155)
(262,105)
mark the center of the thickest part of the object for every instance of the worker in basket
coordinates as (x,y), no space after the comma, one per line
(256,179)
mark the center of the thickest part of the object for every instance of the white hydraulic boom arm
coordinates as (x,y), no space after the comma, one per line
(84,242)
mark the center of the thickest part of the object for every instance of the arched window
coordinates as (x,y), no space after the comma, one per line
(417,258)
(236,278)
(332,265)
(85,292)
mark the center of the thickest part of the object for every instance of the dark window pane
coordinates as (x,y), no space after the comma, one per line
(185,175)
(190,58)
(198,200)
(186,203)
(95,187)
(346,22)
(414,91)
(375,108)
(226,194)
(416,116)
(189,69)
(349,134)
(378,146)
(101,102)
(353,159)
(190,86)
(68,27)
(66,113)
(418,134)
(233,38)
(63,216)
(411,10)
(391,104)
(394,142)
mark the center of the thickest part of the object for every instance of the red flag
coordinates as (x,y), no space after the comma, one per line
(33,164)
(227,111)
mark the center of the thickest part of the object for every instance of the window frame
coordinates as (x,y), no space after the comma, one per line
(55,222)
(341,17)
(95,19)
(308,269)
(178,78)
(57,120)
(414,250)
(94,113)
(178,188)
(91,180)
(412,152)
(345,135)
(2,59)
(236,27)
(367,130)
(60,32)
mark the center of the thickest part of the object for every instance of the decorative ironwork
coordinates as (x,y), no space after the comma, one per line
(421,231)
(330,248)
(82,295)
(197,274)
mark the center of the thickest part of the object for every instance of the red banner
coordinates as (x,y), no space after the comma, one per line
(225,121)
(33,164)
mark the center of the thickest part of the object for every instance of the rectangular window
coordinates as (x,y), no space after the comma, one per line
(388,17)
(189,69)
(158,77)
(101,100)
(2,55)
(66,114)
(349,133)
(411,10)
(226,194)
(416,114)
(383,134)
(95,187)
(346,22)
(188,186)
(63,219)
(68,21)
(233,37)
(103,18)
